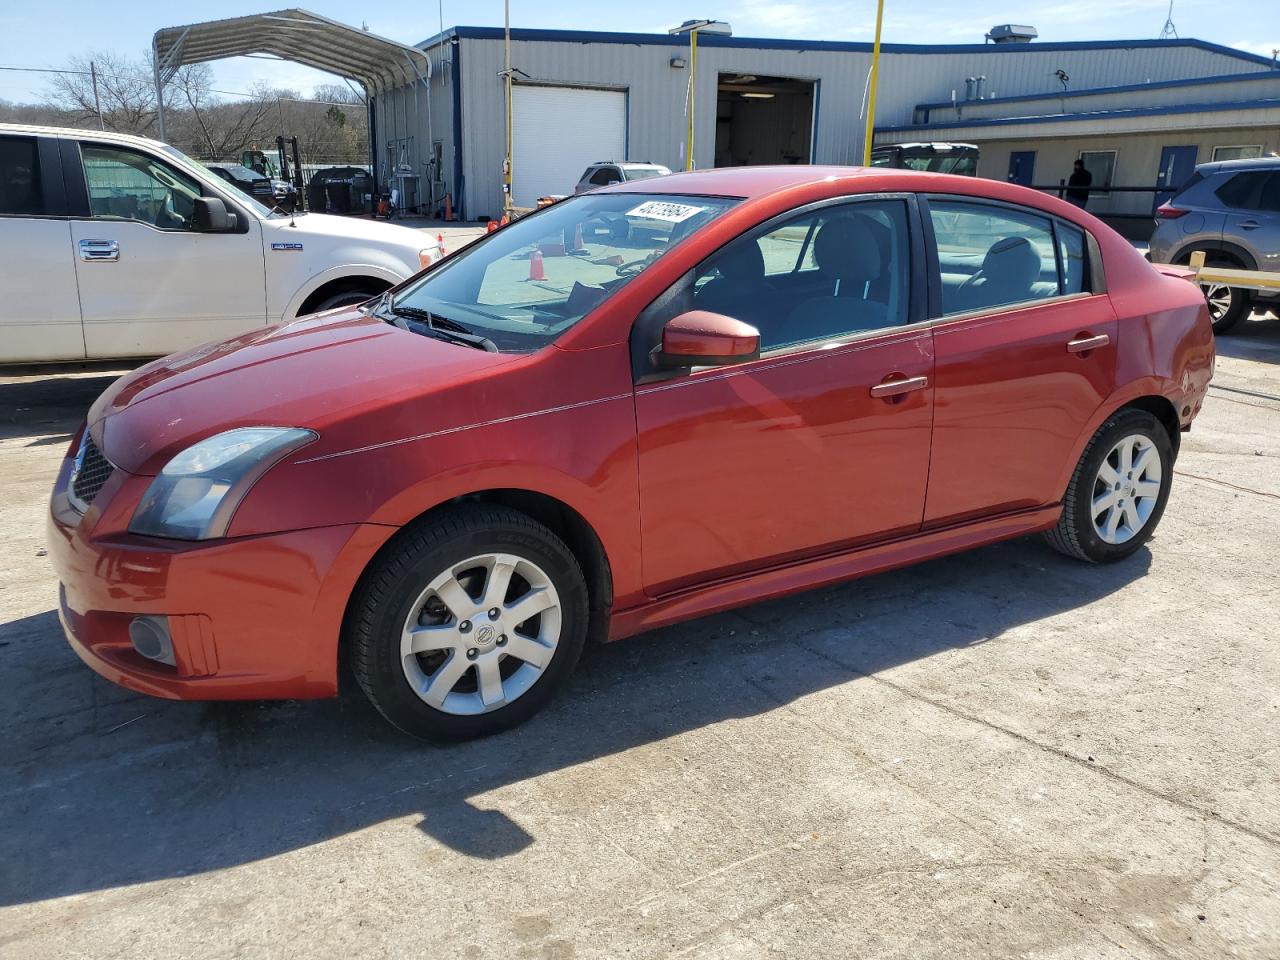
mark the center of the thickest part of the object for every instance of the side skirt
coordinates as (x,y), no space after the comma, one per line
(809,574)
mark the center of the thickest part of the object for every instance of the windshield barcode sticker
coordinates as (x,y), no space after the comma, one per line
(663,210)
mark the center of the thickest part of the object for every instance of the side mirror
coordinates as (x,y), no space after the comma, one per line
(210,215)
(700,338)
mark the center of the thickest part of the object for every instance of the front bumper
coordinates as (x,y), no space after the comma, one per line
(251,618)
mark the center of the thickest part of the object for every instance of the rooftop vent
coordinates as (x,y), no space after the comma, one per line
(1011,33)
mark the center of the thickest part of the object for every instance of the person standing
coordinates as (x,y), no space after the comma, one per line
(1081,180)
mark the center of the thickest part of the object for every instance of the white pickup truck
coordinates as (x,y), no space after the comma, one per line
(119,246)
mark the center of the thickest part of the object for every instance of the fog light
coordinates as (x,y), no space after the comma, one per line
(150,637)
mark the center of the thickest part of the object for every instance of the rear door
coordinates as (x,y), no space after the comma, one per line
(149,283)
(1252,219)
(41,316)
(1025,351)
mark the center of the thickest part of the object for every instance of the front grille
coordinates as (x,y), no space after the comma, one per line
(90,472)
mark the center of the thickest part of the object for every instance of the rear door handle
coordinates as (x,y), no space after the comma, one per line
(1249,224)
(1085,344)
(896,388)
(99,250)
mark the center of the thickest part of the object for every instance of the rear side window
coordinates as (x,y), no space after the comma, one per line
(19,177)
(1269,199)
(1190,182)
(1243,189)
(994,256)
(605,176)
(1072,259)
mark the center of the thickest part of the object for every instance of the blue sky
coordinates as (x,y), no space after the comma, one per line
(45,35)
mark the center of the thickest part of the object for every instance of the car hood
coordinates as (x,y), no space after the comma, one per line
(347,228)
(309,373)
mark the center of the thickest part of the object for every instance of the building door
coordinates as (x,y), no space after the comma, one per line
(1022,167)
(557,132)
(1176,166)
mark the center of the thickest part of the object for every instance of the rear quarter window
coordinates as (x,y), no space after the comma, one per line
(1242,189)
(19,177)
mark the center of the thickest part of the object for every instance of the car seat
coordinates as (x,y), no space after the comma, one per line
(850,262)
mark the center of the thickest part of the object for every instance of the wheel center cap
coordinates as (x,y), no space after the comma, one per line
(486,634)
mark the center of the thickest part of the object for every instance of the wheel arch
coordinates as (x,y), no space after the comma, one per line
(559,517)
(329,288)
(1221,247)
(353,271)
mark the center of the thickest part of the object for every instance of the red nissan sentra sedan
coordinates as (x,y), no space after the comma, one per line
(640,405)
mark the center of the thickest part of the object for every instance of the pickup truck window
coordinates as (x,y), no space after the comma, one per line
(126,185)
(19,177)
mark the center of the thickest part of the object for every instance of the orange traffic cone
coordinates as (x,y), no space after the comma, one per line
(440,243)
(448,206)
(505,220)
(491,226)
(536,272)
(577,250)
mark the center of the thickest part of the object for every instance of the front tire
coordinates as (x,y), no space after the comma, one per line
(468,624)
(347,298)
(1118,491)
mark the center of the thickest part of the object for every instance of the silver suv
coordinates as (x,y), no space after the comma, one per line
(607,172)
(1231,211)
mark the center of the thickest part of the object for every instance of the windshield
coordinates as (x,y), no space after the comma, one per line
(206,175)
(524,285)
(645,173)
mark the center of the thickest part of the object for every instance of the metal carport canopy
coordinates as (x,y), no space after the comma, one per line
(293,34)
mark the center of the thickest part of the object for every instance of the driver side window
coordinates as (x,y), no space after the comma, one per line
(125,185)
(833,272)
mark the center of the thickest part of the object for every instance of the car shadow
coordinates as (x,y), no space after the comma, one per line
(103,788)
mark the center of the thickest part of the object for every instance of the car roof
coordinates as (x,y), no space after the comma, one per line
(750,182)
(626,163)
(1236,166)
(32,130)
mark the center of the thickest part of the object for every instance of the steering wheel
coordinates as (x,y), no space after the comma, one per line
(629,270)
(170,212)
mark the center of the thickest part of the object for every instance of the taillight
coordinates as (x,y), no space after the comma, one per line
(1167,211)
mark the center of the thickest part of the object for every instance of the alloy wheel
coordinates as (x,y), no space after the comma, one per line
(1218,296)
(1126,489)
(481,634)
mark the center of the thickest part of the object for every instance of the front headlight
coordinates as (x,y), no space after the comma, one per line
(197,492)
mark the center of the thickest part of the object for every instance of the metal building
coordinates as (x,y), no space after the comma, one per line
(582,97)
(1140,113)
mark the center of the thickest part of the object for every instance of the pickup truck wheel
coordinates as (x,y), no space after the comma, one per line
(1118,491)
(346,298)
(468,624)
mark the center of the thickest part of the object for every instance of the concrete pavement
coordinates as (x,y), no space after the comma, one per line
(1000,754)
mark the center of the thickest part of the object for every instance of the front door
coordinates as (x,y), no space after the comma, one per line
(1176,166)
(1022,167)
(1026,354)
(150,284)
(820,444)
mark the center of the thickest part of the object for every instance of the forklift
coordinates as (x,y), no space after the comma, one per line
(255,159)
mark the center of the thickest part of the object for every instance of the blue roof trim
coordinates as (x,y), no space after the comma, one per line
(1126,88)
(1095,115)
(760,43)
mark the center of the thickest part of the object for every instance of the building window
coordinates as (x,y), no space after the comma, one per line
(1236,153)
(1102,165)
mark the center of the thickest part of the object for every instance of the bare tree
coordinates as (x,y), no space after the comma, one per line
(212,127)
(126,95)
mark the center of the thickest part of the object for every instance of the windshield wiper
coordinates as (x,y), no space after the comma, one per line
(441,327)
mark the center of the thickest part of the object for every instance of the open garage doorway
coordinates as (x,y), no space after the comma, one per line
(763,120)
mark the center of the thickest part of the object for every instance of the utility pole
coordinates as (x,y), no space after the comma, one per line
(506,77)
(97,107)
(875,78)
(691,27)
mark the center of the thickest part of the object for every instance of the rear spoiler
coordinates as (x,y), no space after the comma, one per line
(1180,271)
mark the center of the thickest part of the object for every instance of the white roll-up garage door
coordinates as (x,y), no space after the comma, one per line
(557,132)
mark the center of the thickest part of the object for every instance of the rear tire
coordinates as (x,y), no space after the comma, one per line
(1118,491)
(1227,305)
(468,624)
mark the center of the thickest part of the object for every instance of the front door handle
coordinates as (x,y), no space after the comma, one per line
(1085,344)
(108,250)
(899,386)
